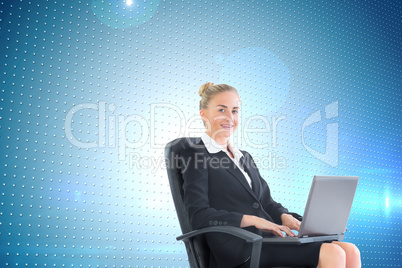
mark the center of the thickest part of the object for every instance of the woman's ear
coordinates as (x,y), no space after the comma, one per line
(205,120)
(202,113)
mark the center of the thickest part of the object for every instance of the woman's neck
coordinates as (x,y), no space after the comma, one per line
(223,141)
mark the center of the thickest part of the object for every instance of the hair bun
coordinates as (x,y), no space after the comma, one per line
(204,87)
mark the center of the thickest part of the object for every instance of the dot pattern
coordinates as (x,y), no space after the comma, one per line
(91,91)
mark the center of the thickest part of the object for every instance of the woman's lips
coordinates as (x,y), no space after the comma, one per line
(227,126)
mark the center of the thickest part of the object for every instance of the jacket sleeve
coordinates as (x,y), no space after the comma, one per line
(273,208)
(194,166)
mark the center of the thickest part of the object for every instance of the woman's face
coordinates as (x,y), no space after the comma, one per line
(222,115)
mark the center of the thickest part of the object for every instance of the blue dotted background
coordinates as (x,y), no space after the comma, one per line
(91,91)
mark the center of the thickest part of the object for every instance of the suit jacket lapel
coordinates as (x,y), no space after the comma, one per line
(233,170)
(249,167)
(240,177)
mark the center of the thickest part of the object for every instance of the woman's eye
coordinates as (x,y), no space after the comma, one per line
(221,110)
(235,111)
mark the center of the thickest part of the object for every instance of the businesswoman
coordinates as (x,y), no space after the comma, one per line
(222,186)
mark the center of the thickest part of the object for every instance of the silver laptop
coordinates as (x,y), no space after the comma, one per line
(327,211)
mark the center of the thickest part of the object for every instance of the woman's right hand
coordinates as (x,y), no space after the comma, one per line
(265,226)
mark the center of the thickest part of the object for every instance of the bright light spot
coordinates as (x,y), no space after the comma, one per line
(387,202)
(129,2)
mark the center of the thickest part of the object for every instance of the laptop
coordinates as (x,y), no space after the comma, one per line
(326,213)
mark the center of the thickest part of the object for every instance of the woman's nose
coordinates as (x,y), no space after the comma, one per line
(230,116)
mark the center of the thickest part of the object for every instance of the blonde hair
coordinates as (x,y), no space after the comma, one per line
(208,90)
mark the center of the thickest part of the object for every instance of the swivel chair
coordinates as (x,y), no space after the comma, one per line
(197,248)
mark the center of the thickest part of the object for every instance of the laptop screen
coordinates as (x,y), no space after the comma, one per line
(328,205)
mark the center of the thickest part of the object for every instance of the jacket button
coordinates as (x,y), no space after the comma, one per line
(256,205)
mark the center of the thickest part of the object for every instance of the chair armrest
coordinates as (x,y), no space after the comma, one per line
(235,231)
(249,237)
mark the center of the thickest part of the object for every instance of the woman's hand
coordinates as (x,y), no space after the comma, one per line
(265,226)
(291,222)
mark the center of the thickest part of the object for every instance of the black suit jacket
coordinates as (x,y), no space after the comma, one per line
(217,193)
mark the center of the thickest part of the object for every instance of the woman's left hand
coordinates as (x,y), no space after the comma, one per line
(291,222)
